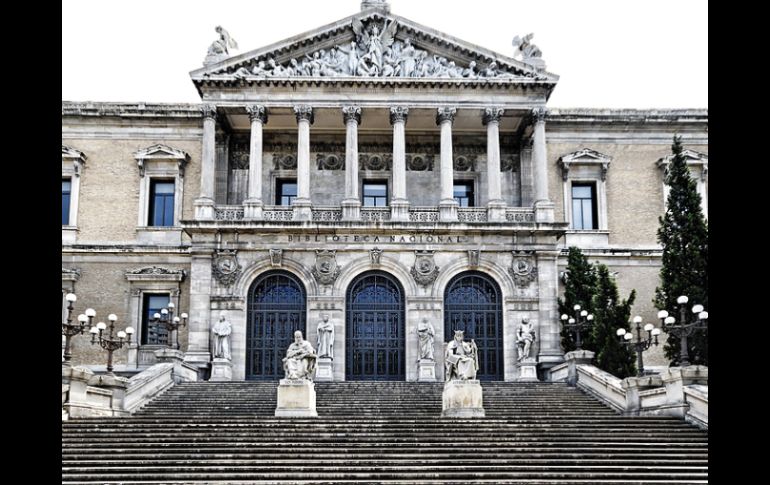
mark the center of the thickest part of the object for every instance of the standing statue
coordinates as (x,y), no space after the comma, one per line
(325,341)
(425,335)
(222,330)
(525,337)
(299,362)
(223,44)
(461,358)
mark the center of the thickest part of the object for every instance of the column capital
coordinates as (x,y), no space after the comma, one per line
(350,113)
(538,114)
(304,112)
(444,114)
(492,115)
(209,111)
(398,114)
(257,112)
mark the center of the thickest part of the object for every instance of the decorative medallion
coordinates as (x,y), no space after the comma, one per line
(330,161)
(419,163)
(283,161)
(276,257)
(326,270)
(375,254)
(473,257)
(376,161)
(225,266)
(424,270)
(523,269)
(465,164)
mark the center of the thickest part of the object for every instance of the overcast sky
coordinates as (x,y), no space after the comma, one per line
(609,53)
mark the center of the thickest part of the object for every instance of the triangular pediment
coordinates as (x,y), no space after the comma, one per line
(691,157)
(161,151)
(373,46)
(72,153)
(586,155)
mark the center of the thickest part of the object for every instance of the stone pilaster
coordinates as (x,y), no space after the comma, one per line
(550,352)
(495,204)
(204,204)
(399,204)
(544,208)
(301,204)
(198,348)
(351,205)
(447,205)
(253,203)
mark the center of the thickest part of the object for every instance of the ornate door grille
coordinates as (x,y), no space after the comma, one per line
(374,348)
(472,303)
(276,309)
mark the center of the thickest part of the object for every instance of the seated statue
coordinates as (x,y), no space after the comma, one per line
(461,359)
(300,359)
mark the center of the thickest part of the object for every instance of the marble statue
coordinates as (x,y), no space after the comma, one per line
(525,49)
(223,44)
(222,330)
(425,335)
(525,337)
(300,359)
(325,341)
(461,358)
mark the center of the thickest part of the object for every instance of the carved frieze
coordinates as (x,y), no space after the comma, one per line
(284,161)
(424,270)
(375,161)
(420,163)
(465,163)
(225,266)
(523,269)
(326,270)
(330,161)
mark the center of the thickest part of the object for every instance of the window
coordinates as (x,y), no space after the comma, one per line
(66,188)
(463,193)
(583,206)
(285,191)
(154,333)
(375,193)
(161,203)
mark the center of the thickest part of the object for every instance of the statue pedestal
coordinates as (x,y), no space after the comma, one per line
(323,369)
(463,399)
(221,370)
(527,370)
(296,399)
(426,370)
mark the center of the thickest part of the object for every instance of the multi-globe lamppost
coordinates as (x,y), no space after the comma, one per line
(683,329)
(582,321)
(112,342)
(641,344)
(69,329)
(167,319)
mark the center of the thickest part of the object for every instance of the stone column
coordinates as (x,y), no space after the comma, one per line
(204,204)
(550,352)
(351,205)
(447,205)
(544,208)
(302,210)
(495,204)
(252,209)
(399,206)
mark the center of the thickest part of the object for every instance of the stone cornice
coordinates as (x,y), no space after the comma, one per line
(131,110)
(640,116)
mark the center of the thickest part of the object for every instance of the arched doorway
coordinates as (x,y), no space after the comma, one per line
(473,303)
(276,309)
(374,328)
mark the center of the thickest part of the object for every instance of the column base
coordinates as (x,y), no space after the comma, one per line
(296,399)
(252,210)
(204,209)
(302,210)
(399,210)
(426,370)
(527,370)
(221,370)
(496,211)
(544,211)
(447,210)
(351,210)
(324,370)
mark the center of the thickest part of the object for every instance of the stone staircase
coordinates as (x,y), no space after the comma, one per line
(383,432)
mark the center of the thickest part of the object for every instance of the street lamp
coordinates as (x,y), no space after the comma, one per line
(683,328)
(167,319)
(112,342)
(641,344)
(582,321)
(69,329)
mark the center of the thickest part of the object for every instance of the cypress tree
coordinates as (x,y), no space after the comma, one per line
(579,288)
(610,314)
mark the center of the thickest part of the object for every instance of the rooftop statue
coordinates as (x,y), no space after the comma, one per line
(223,44)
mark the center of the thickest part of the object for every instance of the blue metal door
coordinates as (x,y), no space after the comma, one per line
(276,309)
(374,330)
(472,303)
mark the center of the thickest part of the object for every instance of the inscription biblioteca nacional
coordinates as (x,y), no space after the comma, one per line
(367,238)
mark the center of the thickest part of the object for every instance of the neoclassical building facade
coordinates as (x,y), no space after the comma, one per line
(373,170)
